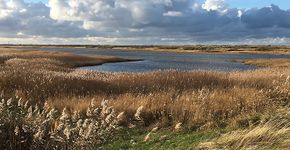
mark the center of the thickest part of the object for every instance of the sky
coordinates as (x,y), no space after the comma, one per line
(284,4)
(145,22)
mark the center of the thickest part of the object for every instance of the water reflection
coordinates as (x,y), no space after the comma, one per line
(167,60)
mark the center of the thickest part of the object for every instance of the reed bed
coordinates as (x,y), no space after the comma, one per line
(26,126)
(193,100)
(198,99)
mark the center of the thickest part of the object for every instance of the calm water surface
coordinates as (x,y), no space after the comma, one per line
(167,60)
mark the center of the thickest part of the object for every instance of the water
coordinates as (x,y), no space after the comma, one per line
(167,60)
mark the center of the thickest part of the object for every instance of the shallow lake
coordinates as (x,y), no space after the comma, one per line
(167,60)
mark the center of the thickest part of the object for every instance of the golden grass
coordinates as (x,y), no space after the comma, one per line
(224,49)
(66,58)
(274,63)
(272,134)
(198,99)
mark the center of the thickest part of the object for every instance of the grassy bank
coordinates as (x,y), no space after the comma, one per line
(272,63)
(195,108)
(162,139)
(59,59)
(223,49)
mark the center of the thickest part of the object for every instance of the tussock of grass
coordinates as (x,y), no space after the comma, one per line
(273,134)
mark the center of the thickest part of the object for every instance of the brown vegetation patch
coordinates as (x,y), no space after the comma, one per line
(273,134)
(224,49)
(274,63)
(66,58)
(198,99)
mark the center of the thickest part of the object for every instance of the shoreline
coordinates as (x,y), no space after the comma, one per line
(265,63)
(207,49)
(76,61)
(71,59)
(230,50)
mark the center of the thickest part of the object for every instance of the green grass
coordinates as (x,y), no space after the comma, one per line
(134,139)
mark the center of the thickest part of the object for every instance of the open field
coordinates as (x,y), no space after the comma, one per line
(201,109)
(224,49)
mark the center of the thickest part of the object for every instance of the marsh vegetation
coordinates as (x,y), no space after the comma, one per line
(243,103)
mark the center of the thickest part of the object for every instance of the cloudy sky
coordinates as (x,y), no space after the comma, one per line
(145,21)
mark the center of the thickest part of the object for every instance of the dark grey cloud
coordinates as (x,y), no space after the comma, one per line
(266,17)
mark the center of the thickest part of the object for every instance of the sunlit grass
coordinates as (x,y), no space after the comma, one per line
(192,100)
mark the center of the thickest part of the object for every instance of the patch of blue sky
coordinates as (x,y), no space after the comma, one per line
(247,4)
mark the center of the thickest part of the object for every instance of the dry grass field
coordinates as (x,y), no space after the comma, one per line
(68,59)
(224,49)
(192,101)
(272,63)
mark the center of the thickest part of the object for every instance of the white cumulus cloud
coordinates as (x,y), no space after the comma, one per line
(218,5)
